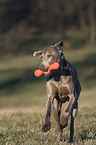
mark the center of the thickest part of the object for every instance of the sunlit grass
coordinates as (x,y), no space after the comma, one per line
(24,127)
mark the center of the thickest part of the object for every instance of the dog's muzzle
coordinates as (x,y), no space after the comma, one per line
(41,67)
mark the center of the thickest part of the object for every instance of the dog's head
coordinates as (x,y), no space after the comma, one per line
(49,55)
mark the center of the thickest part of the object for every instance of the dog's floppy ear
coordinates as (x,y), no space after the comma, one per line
(36,53)
(59,44)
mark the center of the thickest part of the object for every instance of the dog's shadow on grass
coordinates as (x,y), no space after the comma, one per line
(84,135)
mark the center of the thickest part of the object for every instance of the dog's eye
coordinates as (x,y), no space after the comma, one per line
(49,55)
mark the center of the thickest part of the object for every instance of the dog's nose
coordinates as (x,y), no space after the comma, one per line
(41,67)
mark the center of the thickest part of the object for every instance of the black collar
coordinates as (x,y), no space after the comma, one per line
(64,70)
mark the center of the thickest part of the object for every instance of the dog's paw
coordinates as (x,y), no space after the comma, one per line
(63,122)
(70,139)
(46,127)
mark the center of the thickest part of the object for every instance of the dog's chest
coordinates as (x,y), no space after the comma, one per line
(65,85)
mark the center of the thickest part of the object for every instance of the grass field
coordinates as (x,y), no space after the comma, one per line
(23,98)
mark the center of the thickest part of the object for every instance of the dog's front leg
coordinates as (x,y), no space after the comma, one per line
(51,91)
(56,113)
(49,106)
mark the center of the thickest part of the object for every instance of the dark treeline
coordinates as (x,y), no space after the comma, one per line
(42,16)
(47,15)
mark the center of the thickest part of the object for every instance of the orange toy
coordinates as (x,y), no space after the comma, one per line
(53,66)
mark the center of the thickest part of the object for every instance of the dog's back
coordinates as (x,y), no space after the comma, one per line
(76,82)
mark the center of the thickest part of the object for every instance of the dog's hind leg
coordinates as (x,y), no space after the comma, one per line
(72,121)
(56,113)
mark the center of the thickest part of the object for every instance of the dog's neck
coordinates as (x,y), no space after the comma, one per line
(64,70)
(62,61)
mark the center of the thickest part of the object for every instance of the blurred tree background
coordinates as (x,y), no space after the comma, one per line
(26,25)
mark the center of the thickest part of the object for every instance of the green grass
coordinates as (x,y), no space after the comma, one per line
(23,98)
(24,127)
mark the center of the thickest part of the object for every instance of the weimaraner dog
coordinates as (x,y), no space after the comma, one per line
(62,86)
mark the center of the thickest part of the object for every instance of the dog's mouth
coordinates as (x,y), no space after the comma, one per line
(53,66)
(47,73)
(42,67)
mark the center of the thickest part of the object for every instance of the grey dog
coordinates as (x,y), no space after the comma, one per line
(62,86)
